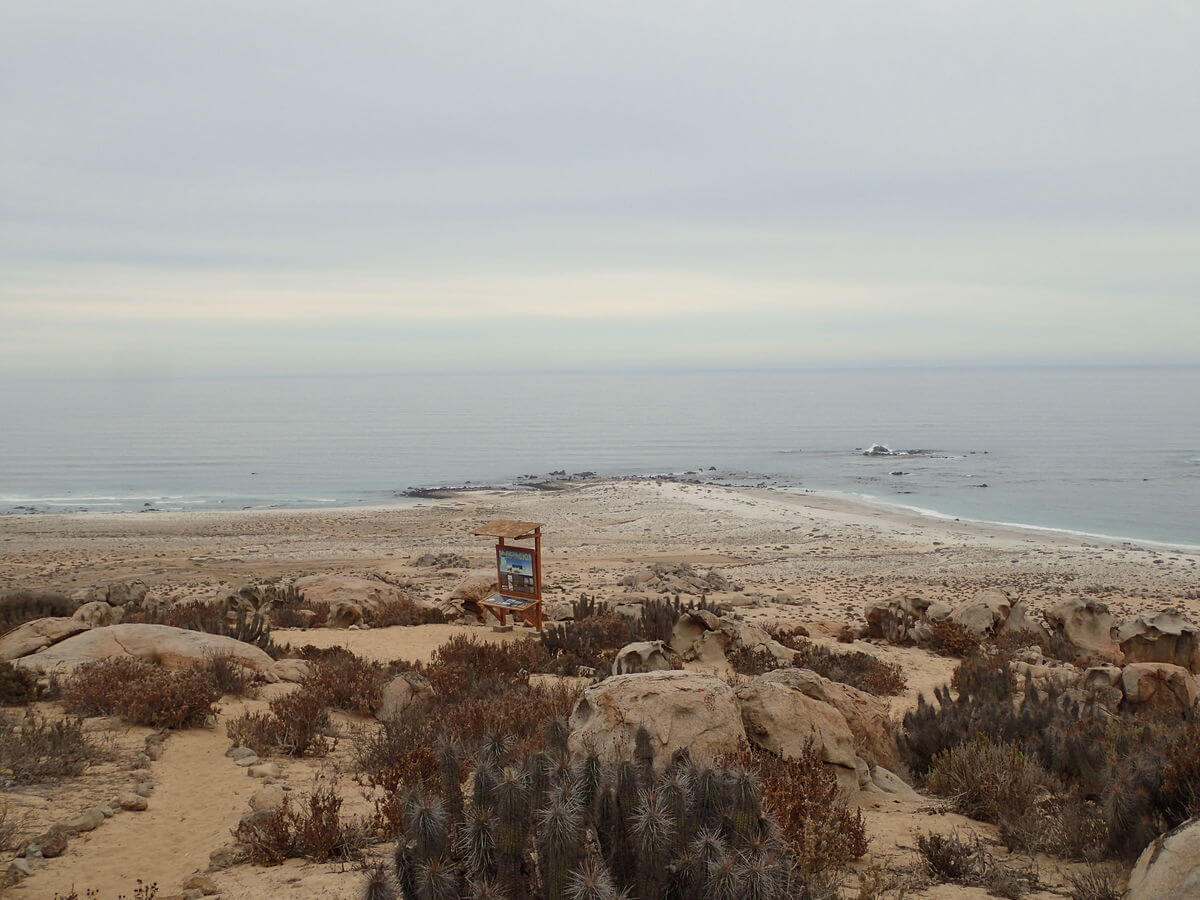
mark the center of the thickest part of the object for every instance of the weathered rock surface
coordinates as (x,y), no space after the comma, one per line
(704,637)
(985,613)
(39,634)
(641,656)
(1161,685)
(175,648)
(125,592)
(676,578)
(679,710)
(892,618)
(1164,637)
(97,614)
(1169,866)
(408,694)
(1085,628)
(292,670)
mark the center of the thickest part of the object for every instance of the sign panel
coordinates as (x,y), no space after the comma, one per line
(515,570)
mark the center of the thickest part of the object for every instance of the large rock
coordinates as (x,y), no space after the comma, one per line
(1084,627)
(641,656)
(676,578)
(680,710)
(475,586)
(867,717)
(892,618)
(1019,622)
(408,694)
(1169,867)
(175,648)
(344,613)
(1161,685)
(39,634)
(984,614)
(1166,637)
(784,720)
(126,592)
(703,637)
(97,614)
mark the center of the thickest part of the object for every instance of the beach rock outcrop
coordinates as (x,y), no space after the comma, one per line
(985,613)
(641,656)
(1084,629)
(704,637)
(892,618)
(676,578)
(31,637)
(1169,866)
(1020,622)
(1165,637)
(409,693)
(1159,685)
(125,592)
(175,648)
(679,709)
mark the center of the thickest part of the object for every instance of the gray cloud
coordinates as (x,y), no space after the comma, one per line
(910,162)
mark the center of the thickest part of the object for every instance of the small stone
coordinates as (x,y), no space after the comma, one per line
(144,789)
(226,856)
(202,883)
(153,751)
(141,761)
(89,821)
(109,810)
(193,894)
(20,868)
(264,770)
(256,818)
(246,761)
(239,752)
(270,797)
(53,843)
(133,802)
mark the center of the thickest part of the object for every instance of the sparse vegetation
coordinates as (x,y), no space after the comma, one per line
(19,607)
(404,611)
(295,724)
(853,667)
(17,686)
(951,639)
(142,693)
(967,861)
(311,829)
(36,749)
(345,681)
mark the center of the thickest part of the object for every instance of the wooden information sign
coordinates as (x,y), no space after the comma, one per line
(518,572)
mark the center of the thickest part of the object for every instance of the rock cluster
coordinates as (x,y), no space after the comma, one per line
(784,711)
(676,578)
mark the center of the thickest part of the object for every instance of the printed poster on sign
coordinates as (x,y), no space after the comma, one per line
(516,572)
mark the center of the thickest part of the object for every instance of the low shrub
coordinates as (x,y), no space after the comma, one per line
(1096,882)
(403,611)
(229,676)
(19,607)
(313,829)
(295,724)
(968,862)
(992,782)
(855,668)
(346,681)
(17,686)
(952,639)
(142,693)
(39,749)
(802,796)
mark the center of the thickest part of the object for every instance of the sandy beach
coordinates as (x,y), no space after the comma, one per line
(815,557)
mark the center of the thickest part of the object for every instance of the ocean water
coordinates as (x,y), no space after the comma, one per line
(1104,451)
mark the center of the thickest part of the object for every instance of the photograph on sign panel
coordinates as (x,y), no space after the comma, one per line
(516,571)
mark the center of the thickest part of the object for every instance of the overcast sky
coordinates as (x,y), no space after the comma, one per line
(290,186)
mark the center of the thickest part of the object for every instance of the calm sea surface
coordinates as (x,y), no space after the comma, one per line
(1107,451)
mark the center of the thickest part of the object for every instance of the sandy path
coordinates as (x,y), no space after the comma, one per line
(415,643)
(199,796)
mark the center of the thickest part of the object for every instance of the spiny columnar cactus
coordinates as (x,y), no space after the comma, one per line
(643,752)
(559,840)
(450,767)
(596,835)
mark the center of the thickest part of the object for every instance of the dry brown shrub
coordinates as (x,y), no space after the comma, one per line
(19,607)
(17,686)
(37,749)
(404,611)
(855,668)
(1096,882)
(229,676)
(802,796)
(952,639)
(346,681)
(793,637)
(992,782)
(296,724)
(312,830)
(847,634)
(1011,641)
(142,693)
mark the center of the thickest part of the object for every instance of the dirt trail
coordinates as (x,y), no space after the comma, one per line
(199,796)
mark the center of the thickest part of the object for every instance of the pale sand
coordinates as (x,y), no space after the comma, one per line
(801,557)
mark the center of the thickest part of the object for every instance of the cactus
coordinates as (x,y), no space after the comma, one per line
(483,786)
(745,810)
(724,878)
(654,831)
(643,752)
(450,768)
(557,734)
(591,881)
(379,885)
(437,879)
(560,840)
(485,890)
(475,843)
(677,795)
(760,878)
(512,832)
(709,797)
(426,827)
